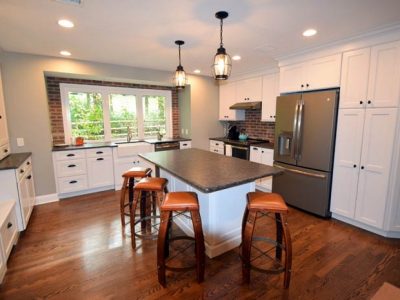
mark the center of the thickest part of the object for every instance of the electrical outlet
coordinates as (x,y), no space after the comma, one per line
(20,142)
(187,131)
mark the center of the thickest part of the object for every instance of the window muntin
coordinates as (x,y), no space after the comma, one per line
(150,113)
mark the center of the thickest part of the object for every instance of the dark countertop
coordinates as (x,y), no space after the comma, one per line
(248,142)
(112,144)
(208,171)
(166,140)
(264,145)
(14,160)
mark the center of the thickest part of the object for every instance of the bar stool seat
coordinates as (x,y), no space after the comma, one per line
(128,184)
(150,191)
(180,202)
(260,204)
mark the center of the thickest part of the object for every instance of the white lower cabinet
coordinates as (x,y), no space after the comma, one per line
(8,233)
(185,145)
(365,151)
(263,156)
(18,184)
(217,147)
(83,171)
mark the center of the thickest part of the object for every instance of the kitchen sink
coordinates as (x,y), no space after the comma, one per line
(133,148)
(131,142)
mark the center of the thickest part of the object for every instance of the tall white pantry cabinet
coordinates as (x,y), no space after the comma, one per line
(365,187)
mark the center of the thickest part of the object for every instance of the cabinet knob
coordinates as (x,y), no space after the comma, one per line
(9,225)
(354,166)
(362,167)
(99,152)
(73,181)
(307,85)
(255,149)
(361,102)
(5,150)
(21,171)
(369,102)
(262,151)
(71,166)
(100,158)
(302,85)
(71,154)
(29,177)
(28,163)
(1,117)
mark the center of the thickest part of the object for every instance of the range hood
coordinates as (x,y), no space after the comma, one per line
(246,105)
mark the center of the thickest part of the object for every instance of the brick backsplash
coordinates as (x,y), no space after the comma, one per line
(254,127)
(55,109)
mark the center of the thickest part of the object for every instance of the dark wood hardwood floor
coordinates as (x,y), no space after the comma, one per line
(74,249)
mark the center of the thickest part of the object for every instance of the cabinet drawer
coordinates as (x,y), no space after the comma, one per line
(98,152)
(4,151)
(185,145)
(66,155)
(8,231)
(71,167)
(72,184)
(24,168)
(217,150)
(217,144)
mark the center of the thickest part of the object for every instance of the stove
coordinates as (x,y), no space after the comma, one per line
(238,148)
(246,143)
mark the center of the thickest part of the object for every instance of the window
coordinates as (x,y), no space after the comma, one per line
(100,113)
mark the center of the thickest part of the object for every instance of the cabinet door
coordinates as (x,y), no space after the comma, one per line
(227,97)
(291,78)
(384,76)
(354,81)
(100,171)
(267,158)
(377,147)
(255,154)
(24,199)
(270,92)
(323,72)
(3,119)
(249,89)
(347,161)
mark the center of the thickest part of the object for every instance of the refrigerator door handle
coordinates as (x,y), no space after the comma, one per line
(299,130)
(301,172)
(295,128)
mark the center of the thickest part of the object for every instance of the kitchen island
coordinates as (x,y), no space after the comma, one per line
(221,183)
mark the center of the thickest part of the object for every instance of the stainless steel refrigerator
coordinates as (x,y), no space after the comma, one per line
(305,131)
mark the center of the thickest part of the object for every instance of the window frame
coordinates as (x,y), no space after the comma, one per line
(105,92)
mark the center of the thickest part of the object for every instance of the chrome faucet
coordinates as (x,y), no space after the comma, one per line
(129,135)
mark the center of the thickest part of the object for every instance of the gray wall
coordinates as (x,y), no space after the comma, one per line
(27,109)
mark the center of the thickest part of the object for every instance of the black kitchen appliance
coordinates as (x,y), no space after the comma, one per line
(233,133)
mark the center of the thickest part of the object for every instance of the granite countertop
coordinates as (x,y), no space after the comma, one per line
(112,144)
(208,171)
(166,140)
(14,160)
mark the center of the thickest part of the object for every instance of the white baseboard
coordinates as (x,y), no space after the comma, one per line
(46,199)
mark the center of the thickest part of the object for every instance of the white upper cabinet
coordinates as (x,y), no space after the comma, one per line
(314,74)
(371,77)
(354,81)
(227,97)
(3,119)
(249,89)
(270,91)
(384,76)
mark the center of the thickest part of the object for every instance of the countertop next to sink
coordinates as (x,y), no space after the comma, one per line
(14,160)
(112,144)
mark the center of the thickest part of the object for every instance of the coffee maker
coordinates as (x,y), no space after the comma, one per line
(233,133)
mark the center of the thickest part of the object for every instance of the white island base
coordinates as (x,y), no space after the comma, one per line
(221,214)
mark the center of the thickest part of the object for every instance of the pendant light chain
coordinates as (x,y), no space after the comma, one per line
(179,54)
(220,33)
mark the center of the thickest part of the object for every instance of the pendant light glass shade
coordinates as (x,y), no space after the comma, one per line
(180,75)
(222,61)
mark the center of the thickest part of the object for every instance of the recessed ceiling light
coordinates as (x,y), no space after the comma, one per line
(197,71)
(309,32)
(236,57)
(65,53)
(65,23)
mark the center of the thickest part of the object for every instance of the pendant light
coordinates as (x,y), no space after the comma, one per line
(180,76)
(222,61)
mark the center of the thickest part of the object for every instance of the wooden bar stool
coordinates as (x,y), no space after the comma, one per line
(151,191)
(261,204)
(128,184)
(180,202)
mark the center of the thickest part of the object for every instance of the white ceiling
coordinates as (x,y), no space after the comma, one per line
(142,33)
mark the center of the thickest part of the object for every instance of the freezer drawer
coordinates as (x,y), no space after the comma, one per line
(303,188)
